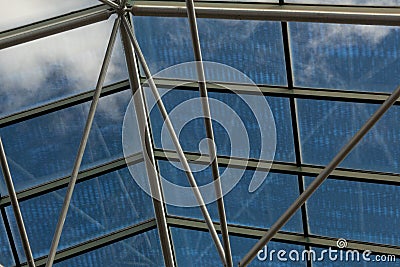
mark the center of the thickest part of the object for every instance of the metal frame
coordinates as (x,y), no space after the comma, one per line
(279,12)
(240,163)
(295,125)
(277,91)
(209,129)
(285,237)
(305,13)
(251,232)
(200,225)
(276,12)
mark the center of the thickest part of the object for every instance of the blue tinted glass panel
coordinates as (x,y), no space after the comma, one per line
(260,208)
(349,57)
(173,172)
(239,129)
(195,248)
(58,66)
(254,47)
(6,257)
(326,126)
(54,139)
(140,250)
(356,211)
(164,41)
(35,10)
(99,206)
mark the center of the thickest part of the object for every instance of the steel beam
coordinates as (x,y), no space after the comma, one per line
(14,203)
(285,237)
(321,177)
(84,175)
(199,225)
(303,93)
(61,104)
(54,25)
(99,242)
(239,163)
(274,12)
(148,153)
(305,13)
(209,129)
(82,146)
(175,140)
(110,3)
(285,167)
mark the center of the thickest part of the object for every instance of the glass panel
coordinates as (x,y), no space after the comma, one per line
(356,211)
(195,248)
(240,129)
(139,250)
(99,206)
(260,208)
(326,126)
(6,257)
(35,10)
(44,148)
(58,66)
(349,57)
(254,47)
(348,2)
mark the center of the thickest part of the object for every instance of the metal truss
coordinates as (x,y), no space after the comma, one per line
(209,129)
(305,13)
(275,12)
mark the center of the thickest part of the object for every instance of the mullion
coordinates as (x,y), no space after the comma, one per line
(295,127)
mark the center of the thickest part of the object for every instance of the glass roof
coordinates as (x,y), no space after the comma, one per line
(181,169)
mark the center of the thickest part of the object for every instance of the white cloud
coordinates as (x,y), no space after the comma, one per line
(25,69)
(18,13)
